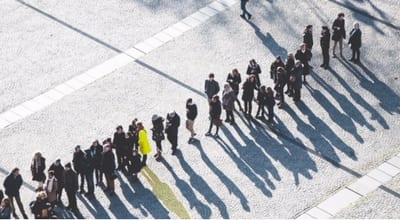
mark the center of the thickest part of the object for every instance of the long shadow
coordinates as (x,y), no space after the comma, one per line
(229,184)
(188,193)
(94,206)
(388,99)
(364,16)
(197,182)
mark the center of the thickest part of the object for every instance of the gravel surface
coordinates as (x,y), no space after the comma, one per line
(348,116)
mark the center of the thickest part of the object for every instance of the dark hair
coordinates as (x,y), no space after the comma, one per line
(119,127)
(189,100)
(16,169)
(341,14)
(309,26)
(325,27)
(51,172)
(211,75)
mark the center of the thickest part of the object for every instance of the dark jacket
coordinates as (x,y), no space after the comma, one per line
(5,212)
(234,81)
(158,129)
(253,69)
(136,164)
(118,141)
(262,97)
(12,184)
(1,195)
(172,125)
(269,100)
(228,99)
(58,173)
(215,110)
(191,111)
(89,161)
(98,156)
(304,58)
(281,80)
(211,88)
(338,30)
(325,39)
(275,65)
(38,207)
(308,39)
(108,165)
(71,181)
(297,72)
(289,66)
(78,161)
(355,39)
(38,172)
(248,90)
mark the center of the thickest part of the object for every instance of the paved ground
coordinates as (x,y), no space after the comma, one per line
(346,125)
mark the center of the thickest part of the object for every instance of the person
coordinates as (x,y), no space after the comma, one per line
(136,165)
(191,114)
(261,101)
(108,167)
(270,103)
(274,67)
(59,172)
(228,102)
(254,69)
(52,188)
(339,33)
(124,151)
(281,82)
(96,149)
(132,126)
(1,195)
(297,72)
(130,140)
(325,42)
(158,134)
(71,186)
(215,115)
(119,141)
(248,94)
(78,162)
(211,87)
(41,207)
(5,209)
(88,169)
(308,37)
(289,65)
(304,55)
(234,81)
(355,42)
(244,9)
(143,142)
(38,166)
(171,129)
(12,185)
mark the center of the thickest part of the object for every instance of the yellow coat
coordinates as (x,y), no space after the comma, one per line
(144,145)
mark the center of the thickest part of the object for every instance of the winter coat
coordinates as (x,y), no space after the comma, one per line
(234,81)
(253,69)
(1,195)
(144,145)
(228,100)
(37,169)
(275,65)
(58,173)
(281,80)
(289,65)
(304,57)
(78,161)
(325,39)
(89,160)
(5,212)
(262,97)
(98,156)
(158,129)
(108,165)
(191,111)
(338,30)
(118,141)
(12,184)
(355,39)
(52,194)
(248,90)
(40,207)
(215,110)
(172,125)
(136,163)
(308,39)
(211,87)
(269,100)
(297,72)
(71,181)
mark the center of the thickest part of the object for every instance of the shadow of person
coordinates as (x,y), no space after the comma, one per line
(201,186)
(187,191)
(229,184)
(94,206)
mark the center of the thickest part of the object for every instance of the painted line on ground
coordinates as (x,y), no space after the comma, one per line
(142,48)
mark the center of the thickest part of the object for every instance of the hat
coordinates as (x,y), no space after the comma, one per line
(154,117)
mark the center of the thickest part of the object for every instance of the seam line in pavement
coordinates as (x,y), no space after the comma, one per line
(99,71)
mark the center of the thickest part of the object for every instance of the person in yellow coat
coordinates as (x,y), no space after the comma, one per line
(144,144)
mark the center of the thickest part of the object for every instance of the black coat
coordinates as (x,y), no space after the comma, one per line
(12,184)
(38,206)
(215,110)
(89,160)
(270,100)
(355,39)
(158,129)
(211,88)
(108,165)
(173,124)
(248,90)
(338,30)
(308,39)
(304,58)
(78,161)
(253,69)
(98,156)
(234,81)
(191,112)
(58,173)
(289,65)
(119,139)
(71,181)
(325,39)
(262,97)
(1,195)
(38,173)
